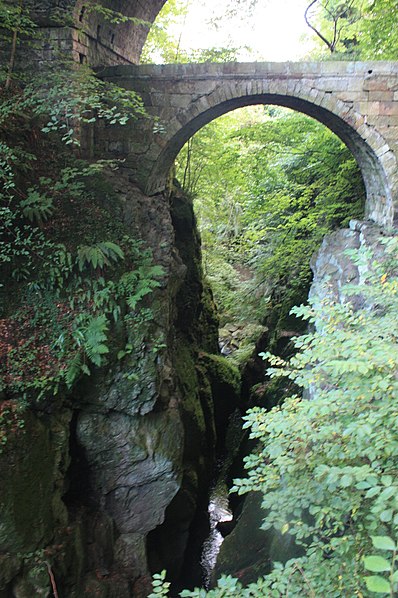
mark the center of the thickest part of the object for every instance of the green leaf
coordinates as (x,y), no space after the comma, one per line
(376,563)
(386,515)
(85,369)
(383,542)
(346,481)
(377,584)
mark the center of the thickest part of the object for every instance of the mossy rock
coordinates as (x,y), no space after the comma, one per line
(221,371)
(225,382)
(30,501)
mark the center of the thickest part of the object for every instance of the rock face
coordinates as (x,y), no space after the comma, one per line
(130,454)
(332,266)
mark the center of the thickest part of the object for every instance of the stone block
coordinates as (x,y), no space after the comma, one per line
(218,96)
(369,108)
(389,161)
(382,120)
(179,100)
(246,68)
(352,96)
(166,114)
(382,150)
(333,84)
(259,86)
(159,99)
(202,87)
(388,108)
(230,89)
(230,68)
(249,87)
(382,96)
(314,95)
(202,104)
(364,130)
(328,101)
(376,83)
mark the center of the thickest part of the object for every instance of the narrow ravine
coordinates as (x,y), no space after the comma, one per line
(219,512)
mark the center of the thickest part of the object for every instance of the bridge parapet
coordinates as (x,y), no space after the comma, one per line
(356,100)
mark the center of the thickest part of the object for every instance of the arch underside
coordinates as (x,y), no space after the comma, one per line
(379,201)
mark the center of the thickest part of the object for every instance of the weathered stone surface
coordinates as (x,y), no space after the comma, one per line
(32,467)
(333,268)
(134,465)
(355,100)
(247,552)
(142,432)
(130,553)
(87,35)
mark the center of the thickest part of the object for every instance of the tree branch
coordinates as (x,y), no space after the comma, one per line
(318,33)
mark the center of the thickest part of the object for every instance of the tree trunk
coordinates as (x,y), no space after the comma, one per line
(11,62)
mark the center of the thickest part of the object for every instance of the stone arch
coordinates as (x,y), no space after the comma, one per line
(374,157)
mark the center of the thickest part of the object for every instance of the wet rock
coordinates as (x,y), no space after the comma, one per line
(225,527)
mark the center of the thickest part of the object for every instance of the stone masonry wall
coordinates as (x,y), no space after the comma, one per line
(69,27)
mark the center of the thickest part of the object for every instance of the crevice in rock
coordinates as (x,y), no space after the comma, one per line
(78,491)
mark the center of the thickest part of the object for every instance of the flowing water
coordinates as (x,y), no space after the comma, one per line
(219,508)
(219,511)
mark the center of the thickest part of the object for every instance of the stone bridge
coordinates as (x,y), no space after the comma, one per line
(356,100)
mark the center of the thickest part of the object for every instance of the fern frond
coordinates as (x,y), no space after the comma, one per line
(98,255)
(74,369)
(36,207)
(95,338)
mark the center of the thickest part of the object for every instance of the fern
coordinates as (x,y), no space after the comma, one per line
(37,207)
(74,368)
(98,255)
(94,339)
(138,283)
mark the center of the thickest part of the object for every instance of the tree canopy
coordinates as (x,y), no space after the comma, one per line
(268,183)
(359,29)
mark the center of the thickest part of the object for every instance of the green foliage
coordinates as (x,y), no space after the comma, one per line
(327,467)
(98,255)
(268,184)
(66,311)
(165,43)
(378,36)
(333,22)
(359,29)
(382,584)
(69,269)
(73,96)
(160,587)
(36,207)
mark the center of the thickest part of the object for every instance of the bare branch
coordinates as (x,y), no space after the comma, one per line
(314,29)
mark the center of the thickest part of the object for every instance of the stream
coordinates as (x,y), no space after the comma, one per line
(219,509)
